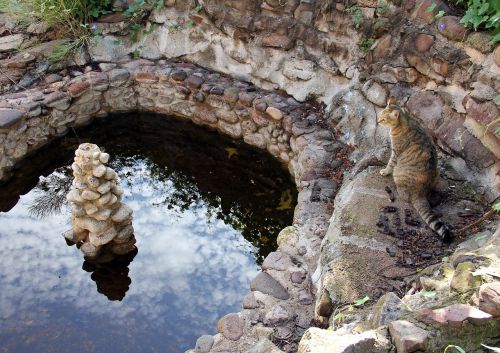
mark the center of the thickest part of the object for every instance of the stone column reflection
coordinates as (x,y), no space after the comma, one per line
(111,277)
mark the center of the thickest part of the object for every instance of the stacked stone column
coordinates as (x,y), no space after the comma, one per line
(102,224)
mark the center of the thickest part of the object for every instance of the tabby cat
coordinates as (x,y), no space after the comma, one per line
(413,164)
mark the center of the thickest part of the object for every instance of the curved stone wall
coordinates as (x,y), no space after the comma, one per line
(293,132)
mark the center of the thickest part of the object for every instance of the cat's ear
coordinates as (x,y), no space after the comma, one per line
(391,100)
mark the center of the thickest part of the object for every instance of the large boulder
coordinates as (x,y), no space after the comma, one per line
(374,240)
(355,261)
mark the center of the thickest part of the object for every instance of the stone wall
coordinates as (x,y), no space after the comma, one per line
(442,73)
(282,296)
(301,79)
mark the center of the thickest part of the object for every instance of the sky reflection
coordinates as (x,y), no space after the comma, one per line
(203,221)
(188,267)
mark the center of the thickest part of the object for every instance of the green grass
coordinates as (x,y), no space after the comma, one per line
(71,19)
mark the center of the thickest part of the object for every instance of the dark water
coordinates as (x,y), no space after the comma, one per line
(206,212)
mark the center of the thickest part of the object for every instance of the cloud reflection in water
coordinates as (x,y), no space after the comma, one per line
(188,272)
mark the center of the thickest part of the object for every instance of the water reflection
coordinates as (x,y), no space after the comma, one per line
(191,204)
(111,277)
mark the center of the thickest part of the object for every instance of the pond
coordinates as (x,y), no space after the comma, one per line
(207,210)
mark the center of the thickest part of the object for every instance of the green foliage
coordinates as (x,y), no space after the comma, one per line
(361,302)
(136,54)
(172,27)
(340,311)
(134,28)
(428,294)
(431,7)
(99,7)
(71,18)
(366,43)
(496,206)
(356,15)
(65,49)
(483,14)
(135,8)
(457,348)
(136,12)
(383,8)
(440,14)
(66,15)
(480,237)
(139,7)
(340,317)
(480,14)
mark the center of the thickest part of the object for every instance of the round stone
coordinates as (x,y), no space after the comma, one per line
(204,344)
(274,113)
(99,171)
(125,248)
(102,215)
(124,234)
(122,214)
(90,195)
(90,208)
(98,239)
(104,188)
(104,157)
(90,250)
(74,196)
(110,174)
(451,28)
(423,42)
(104,199)
(231,326)
(93,182)
(199,97)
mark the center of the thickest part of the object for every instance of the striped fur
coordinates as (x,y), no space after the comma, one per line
(413,164)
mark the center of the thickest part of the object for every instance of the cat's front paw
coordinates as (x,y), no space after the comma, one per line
(385,172)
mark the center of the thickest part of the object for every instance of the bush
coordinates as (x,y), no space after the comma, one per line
(482,14)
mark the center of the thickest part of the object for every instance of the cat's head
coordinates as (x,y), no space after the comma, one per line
(391,115)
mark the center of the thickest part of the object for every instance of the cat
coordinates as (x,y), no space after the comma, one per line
(413,164)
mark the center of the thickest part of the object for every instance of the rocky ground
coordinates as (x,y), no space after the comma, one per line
(298,79)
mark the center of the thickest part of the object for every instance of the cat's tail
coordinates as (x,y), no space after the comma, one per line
(433,221)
